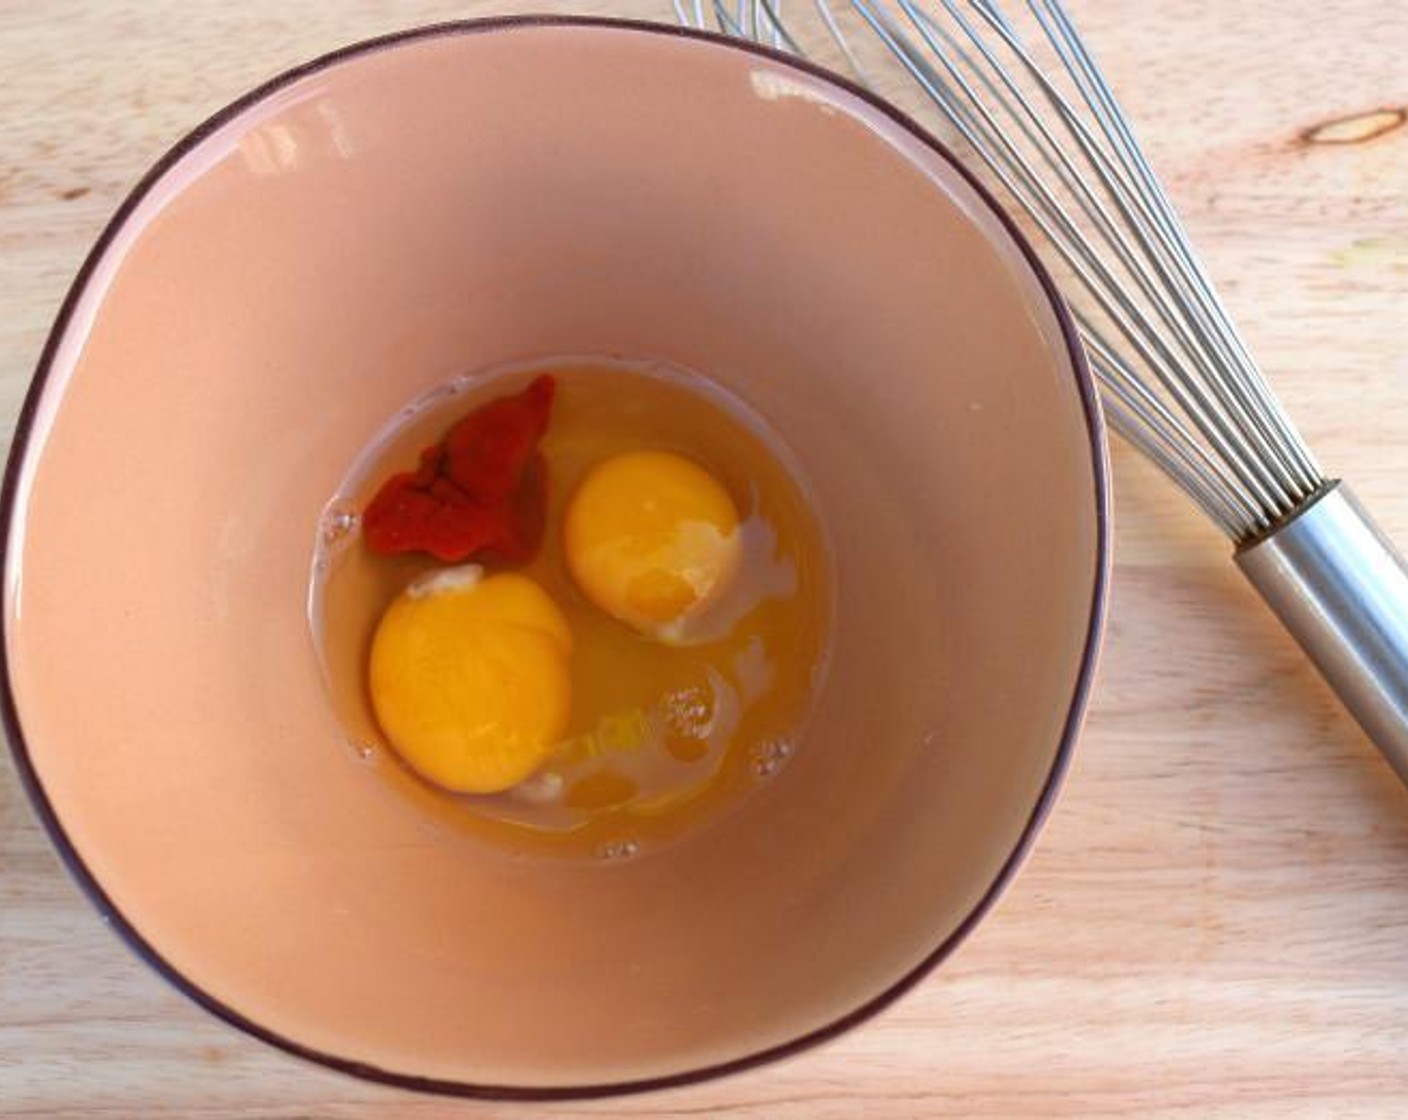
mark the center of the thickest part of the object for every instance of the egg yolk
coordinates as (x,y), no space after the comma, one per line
(469,678)
(651,538)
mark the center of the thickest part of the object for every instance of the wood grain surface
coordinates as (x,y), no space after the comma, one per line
(1215,922)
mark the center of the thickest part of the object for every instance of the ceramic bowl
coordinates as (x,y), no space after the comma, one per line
(386,218)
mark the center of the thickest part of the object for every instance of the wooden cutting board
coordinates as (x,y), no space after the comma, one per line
(1215,922)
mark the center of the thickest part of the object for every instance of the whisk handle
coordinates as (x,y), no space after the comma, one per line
(1341,589)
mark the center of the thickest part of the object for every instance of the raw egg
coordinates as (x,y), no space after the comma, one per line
(469,678)
(635,678)
(651,538)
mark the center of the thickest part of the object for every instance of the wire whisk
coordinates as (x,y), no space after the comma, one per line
(1017,83)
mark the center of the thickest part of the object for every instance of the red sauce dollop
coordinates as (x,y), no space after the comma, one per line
(482,488)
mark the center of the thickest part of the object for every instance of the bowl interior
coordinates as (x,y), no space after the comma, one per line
(403,214)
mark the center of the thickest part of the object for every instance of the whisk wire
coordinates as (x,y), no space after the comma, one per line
(1289,447)
(727,21)
(781,37)
(1147,261)
(833,28)
(1193,284)
(1169,456)
(971,115)
(1151,424)
(1177,375)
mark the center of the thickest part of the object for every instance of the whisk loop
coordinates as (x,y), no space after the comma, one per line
(1176,378)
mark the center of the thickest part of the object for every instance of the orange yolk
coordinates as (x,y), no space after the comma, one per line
(652,539)
(469,678)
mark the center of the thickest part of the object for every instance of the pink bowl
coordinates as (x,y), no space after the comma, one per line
(398,213)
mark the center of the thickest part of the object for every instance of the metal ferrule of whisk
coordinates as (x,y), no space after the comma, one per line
(1341,589)
(1016,82)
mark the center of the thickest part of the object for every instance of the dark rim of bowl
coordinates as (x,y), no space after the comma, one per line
(24,429)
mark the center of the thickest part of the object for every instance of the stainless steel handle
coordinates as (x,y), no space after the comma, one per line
(1341,589)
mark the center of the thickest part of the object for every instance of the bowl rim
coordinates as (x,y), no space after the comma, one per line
(24,429)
